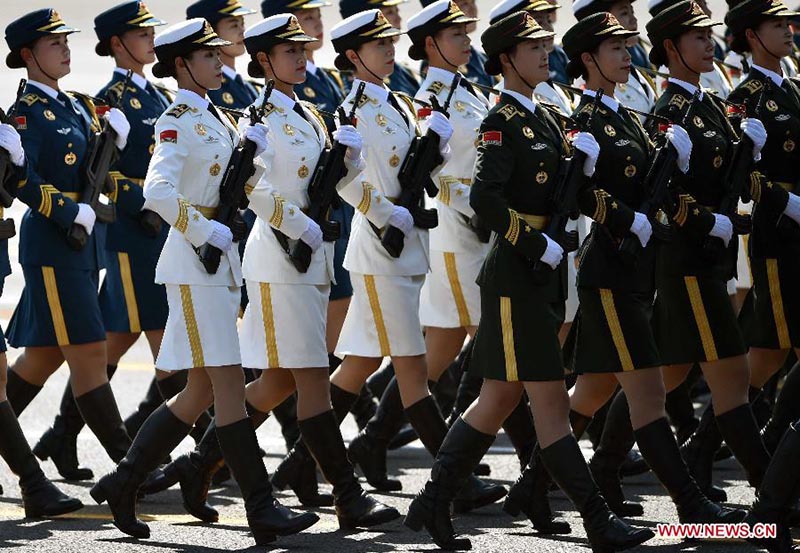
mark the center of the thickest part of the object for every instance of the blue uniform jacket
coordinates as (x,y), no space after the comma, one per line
(142,107)
(403,80)
(234,93)
(323,90)
(55,138)
(558,65)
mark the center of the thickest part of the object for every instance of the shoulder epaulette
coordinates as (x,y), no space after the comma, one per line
(336,76)
(169,93)
(509,112)
(409,101)
(116,89)
(257,85)
(179,110)
(32,98)
(679,100)
(555,111)
(752,86)
(91,103)
(315,112)
(436,87)
(269,107)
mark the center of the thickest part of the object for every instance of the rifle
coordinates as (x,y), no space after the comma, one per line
(102,154)
(564,198)
(736,177)
(232,195)
(656,185)
(322,192)
(415,176)
(7,169)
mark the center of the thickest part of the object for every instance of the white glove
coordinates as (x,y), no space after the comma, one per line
(86,217)
(221,237)
(722,228)
(312,235)
(679,138)
(586,143)
(553,253)
(642,228)
(793,208)
(441,125)
(258,135)
(120,124)
(350,137)
(12,143)
(401,218)
(757,133)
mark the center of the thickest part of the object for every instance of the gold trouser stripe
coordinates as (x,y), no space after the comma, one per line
(130,293)
(455,286)
(268,316)
(610,310)
(377,314)
(195,344)
(777,304)
(507,327)
(701,318)
(54,302)
(539,222)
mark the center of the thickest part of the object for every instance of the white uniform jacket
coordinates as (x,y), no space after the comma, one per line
(192,150)
(387,137)
(281,195)
(638,93)
(467,111)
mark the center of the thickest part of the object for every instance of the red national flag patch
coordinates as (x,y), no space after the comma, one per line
(22,122)
(492,138)
(102,110)
(423,112)
(170,135)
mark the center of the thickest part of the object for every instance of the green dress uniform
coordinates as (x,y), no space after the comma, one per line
(519,154)
(771,316)
(614,331)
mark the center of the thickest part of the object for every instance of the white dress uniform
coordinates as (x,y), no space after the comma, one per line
(450,296)
(638,93)
(182,186)
(284,323)
(383,317)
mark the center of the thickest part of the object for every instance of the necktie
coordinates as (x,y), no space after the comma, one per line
(468,85)
(396,106)
(299,110)
(214,112)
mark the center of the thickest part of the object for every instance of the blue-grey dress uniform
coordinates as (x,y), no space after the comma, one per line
(59,304)
(130,300)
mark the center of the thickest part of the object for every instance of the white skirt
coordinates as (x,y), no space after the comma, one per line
(284,326)
(572,289)
(201,327)
(450,296)
(383,317)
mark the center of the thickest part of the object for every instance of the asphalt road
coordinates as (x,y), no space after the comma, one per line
(172,530)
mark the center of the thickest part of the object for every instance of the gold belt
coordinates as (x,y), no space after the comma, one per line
(788,186)
(467,181)
(116,175)
(712,208)
(74,196)
(536,221)
(207,212)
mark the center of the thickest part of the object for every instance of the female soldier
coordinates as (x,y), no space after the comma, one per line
(772,326)
(280,293)
(182,186)
(130,301)
(58,317)
(614,343)
(519,141)
(40,497)
(450,299)
(694,317)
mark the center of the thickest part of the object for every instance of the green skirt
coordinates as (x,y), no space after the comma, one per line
(695,321)
(770,317)
(614,333)
(517,339)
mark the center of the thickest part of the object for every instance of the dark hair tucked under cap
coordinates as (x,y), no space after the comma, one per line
(30,27)
(265,34)
(587,34)
(749,15)
(214,11)
(584,8)
(119,20)
(182,39)
(672,23)
(503,35)
(275,7)
(507,7)
(356,30)
(429,21)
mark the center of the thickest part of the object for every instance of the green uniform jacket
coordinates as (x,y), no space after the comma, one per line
(780,163)
(614,193)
